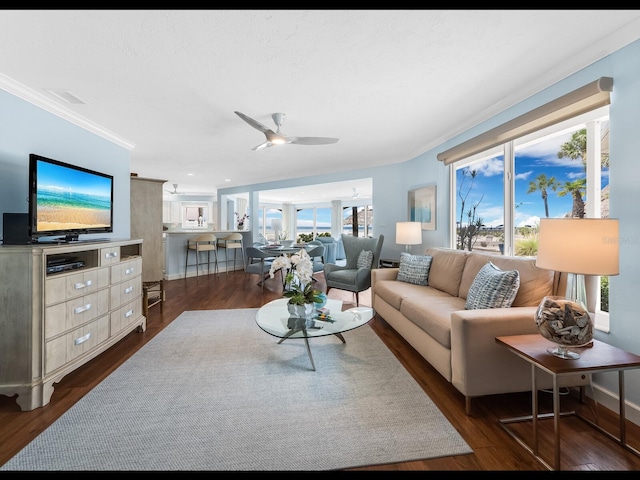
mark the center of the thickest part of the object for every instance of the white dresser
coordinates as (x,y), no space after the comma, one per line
(52,322)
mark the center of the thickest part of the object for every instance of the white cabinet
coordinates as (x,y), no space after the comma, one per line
(52,323)
(171,212)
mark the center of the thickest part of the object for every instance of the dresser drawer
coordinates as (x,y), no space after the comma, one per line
(125,292)
(71,345)
(125,315)
(126,270)
(71,285)
(72,313)
(109,255)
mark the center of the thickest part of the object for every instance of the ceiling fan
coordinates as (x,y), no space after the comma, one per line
(278,138)
(357,194)
(175,190)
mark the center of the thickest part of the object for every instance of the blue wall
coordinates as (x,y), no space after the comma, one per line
(26,128)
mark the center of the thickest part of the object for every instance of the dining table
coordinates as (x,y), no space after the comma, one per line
(278,250)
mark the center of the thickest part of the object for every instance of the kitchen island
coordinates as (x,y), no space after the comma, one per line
(175,251)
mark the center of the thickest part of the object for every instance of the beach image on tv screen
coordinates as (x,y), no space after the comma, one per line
(71,199)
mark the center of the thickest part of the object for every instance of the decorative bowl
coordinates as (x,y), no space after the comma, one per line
(564,322)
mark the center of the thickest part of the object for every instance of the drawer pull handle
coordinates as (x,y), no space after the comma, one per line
(82,339)
(111,255)
(82,309)
(81,285)
(128,314)
(128,290)
(129,271)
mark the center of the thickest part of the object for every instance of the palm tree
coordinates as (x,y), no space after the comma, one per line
(575,188)
(577,148)
(542,183)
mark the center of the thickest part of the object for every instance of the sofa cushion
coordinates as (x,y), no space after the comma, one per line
(493,288)
(446,269)
(365,259)
(414,269)
(535,283)
(394,292)
(432,313)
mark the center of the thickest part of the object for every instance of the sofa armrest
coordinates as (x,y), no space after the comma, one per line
(383,274)
(475,355)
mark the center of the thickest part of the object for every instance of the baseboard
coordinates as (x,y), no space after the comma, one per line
(611,400)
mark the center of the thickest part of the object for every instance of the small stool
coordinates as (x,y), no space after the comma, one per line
(233,241)
(152,294)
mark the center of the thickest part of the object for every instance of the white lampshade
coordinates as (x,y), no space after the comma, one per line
(587,246)
(408,233)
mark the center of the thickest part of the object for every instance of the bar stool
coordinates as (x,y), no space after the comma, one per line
(207,242)
(233,241)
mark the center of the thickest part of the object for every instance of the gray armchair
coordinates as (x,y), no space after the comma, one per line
(350,277)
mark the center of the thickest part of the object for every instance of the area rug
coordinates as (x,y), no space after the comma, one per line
(212,391)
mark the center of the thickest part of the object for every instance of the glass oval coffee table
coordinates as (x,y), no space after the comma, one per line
(274,318)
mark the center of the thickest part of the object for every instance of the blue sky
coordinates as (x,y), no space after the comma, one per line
(531,161)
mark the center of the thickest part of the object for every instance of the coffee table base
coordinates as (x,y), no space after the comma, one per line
(306,341)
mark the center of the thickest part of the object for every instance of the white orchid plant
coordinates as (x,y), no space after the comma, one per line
(298,279)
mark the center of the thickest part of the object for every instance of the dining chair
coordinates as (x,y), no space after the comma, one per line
(207,242)
(317,258)
(258,262)
(232,242)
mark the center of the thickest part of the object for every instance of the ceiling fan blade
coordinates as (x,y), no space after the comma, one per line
(262,145)
(254,123)
(312,140)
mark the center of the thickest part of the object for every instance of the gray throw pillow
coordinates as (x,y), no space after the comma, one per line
(365,259)
(414,268)
(493,288)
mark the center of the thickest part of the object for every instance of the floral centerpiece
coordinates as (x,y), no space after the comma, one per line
(298,280)
(241,220)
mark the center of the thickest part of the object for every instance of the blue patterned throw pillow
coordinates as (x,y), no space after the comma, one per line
(414,268)
(365,259)
(493,288)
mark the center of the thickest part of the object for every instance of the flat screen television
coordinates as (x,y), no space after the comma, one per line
(67,200)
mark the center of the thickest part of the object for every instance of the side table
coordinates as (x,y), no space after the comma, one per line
(152,294)
(389,263)
(602,357)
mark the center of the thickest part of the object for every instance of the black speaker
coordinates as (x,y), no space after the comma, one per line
(15,229)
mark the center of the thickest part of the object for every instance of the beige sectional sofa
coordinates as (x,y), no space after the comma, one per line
(460,343)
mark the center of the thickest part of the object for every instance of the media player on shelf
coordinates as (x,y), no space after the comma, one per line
(63,267)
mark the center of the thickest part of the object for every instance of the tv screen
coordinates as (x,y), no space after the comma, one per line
(68,200)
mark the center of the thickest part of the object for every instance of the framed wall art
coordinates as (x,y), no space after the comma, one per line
(422,206)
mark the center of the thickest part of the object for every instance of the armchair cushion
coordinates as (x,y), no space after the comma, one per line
(414,268)
(365,259)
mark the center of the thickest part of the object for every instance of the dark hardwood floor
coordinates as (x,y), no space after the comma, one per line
(582,447)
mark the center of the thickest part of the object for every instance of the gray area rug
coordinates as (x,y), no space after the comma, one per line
(214,392)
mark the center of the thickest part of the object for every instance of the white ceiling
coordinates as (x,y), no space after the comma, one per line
(390,84)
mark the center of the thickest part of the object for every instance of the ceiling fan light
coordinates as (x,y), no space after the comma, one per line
(278,141)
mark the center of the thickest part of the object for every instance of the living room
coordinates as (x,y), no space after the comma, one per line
(28,128)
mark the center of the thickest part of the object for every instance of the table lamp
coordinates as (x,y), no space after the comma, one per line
(578,247)
(409,233)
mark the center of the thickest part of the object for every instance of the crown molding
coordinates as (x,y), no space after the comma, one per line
(40,100)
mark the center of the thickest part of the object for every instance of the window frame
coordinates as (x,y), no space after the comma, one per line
(592,121)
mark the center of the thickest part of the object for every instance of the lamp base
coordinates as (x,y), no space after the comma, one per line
(562,352)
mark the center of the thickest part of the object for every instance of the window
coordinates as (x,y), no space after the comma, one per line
(498,196)
(357,220)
